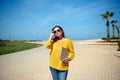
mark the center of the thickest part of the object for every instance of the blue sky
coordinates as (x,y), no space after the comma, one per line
(34,19)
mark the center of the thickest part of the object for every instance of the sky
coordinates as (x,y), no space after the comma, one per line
(34,19)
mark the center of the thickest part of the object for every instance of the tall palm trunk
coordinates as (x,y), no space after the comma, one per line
(108,31)
(113,22)
(118,31)
(113,31)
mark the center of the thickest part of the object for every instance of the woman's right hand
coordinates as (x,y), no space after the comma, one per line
(51,35)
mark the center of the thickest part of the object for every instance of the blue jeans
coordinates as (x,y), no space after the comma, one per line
(58,74)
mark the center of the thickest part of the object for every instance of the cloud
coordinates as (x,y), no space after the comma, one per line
(69,12)
(28,13)
(44,22)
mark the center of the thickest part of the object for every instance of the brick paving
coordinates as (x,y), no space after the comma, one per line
(92,62)
(99,62)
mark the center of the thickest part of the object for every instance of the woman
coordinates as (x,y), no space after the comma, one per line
(58,67)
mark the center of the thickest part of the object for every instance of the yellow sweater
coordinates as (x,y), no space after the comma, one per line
(55,47)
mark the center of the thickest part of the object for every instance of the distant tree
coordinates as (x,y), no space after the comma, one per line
(106,16)
(113,22)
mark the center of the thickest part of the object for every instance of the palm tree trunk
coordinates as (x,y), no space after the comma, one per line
(108,34)
(108,31)
(113,31)
(118,31)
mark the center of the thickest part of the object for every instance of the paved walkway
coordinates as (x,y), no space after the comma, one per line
(95,62)
(92,62)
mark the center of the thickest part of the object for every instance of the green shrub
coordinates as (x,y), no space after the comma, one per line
(103,38)
(115,38)
(2,42)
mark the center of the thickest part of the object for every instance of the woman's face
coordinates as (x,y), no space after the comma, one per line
(57,32)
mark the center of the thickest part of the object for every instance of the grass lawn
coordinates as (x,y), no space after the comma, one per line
(15,46)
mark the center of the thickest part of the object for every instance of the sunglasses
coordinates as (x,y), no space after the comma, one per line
(57,31)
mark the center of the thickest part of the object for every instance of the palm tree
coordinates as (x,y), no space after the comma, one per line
(113,22)
(118,30)
(106,16)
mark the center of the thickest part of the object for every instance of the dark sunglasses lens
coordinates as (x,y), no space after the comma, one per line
(54,32)
(58,30)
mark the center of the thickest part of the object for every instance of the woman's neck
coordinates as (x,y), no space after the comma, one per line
(60,38)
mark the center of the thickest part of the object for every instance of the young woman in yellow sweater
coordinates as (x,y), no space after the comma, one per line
(57,40)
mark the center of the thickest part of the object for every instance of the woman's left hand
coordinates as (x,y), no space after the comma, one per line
(66,60)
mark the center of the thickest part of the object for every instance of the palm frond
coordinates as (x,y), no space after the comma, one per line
(111,14)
